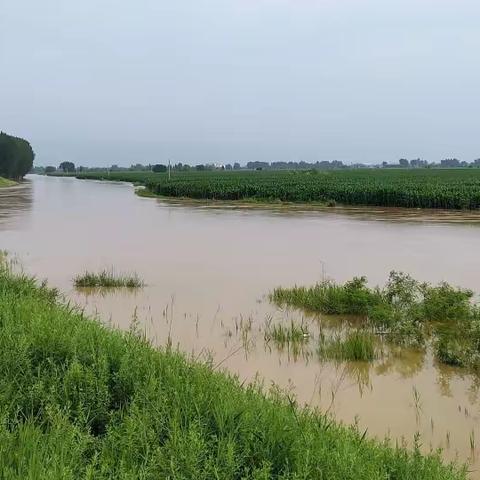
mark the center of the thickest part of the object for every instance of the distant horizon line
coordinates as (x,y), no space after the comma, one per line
(251,165)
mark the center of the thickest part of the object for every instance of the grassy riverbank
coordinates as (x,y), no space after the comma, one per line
(409,188)
(5,182)
(405,312)
(81,401)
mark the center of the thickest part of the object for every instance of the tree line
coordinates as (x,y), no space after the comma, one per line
(16,157)
(69,167)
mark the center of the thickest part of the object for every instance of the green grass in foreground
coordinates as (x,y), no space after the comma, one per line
(5,182)
(108,279)
(78,400)
(405,312)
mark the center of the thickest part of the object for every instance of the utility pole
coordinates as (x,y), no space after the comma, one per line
(169,170)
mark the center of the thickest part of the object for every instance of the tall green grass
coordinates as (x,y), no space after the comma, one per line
(282,335)
(355,346)
(108,279)
(352,298)
(78,400)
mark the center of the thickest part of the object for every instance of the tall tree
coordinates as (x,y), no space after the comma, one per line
(67,167)
(16,156)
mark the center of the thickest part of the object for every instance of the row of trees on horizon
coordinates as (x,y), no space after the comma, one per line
(69,167)
(17,155)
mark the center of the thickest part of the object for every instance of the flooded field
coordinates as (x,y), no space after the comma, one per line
(208,271)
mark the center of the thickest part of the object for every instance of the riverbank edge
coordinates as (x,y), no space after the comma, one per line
(108,403)
(6,183)
(143,191)
(417,215)
(414,214)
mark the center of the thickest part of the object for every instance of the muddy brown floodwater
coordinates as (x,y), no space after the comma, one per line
(208,271)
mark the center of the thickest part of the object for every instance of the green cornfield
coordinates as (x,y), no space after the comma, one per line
(413,188)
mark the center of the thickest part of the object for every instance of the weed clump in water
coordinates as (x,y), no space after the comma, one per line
(107,279)
(355,346)
(404,312)
(354,297)
(291,334)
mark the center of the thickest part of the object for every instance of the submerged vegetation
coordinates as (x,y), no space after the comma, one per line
(405,312)
(82,401)
(108,279)
(355,346)
(411,188)
(293,334)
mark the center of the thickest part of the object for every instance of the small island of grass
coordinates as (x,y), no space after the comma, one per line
(107,279)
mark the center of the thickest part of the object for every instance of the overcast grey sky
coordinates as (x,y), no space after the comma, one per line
(116,81)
